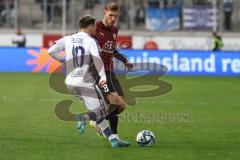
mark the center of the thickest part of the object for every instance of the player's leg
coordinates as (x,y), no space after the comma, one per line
(95,113)
(112,98)
(89,95)
(92,115)
(94,100)
(118,94)
(102,123)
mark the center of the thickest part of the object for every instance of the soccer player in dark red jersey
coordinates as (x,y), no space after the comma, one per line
(106,35)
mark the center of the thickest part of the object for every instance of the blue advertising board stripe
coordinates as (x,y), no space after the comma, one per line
(26,60)
(196,63)
(14,60)
(202,63)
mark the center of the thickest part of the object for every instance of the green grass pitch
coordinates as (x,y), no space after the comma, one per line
(30,130)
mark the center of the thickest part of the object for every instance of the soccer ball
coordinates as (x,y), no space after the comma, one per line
(145,138)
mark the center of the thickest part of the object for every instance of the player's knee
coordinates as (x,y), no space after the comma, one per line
(121,109)
(122,106)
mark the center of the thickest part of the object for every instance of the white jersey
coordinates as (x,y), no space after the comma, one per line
(80,50)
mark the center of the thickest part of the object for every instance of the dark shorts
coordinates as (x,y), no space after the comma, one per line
(113,83)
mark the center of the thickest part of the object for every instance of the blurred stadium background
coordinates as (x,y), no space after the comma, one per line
(172,20)
(175,33)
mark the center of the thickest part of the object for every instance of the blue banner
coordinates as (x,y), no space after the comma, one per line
(197,63)
(199,17)
(163,19)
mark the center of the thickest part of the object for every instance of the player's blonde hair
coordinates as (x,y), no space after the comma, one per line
(112,5)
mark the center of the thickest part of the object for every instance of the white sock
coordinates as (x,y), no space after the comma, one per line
(103,125)
(111,137)
(116,136)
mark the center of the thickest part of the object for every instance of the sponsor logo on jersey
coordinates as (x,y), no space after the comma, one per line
(114,36)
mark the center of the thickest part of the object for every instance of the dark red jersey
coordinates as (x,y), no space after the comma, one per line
(106,38)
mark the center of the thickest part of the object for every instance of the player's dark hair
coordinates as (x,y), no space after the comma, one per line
(112,5)
(86,21)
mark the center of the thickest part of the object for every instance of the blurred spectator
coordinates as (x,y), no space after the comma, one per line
(7,12)
(165,4)
(53,8)
(19,39)
(153,3)
(97,2)
(101,2)
(202,2)
(228,9)
(124,17)
(217,42)
(140,15)
(50,5)
(170,4)
(58,7)
(89,4)
(2,9)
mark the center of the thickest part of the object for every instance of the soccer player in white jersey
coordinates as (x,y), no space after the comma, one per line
(81,50)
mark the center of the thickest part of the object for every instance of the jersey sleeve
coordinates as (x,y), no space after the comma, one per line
(120,56)
(94,51)
(61,43)
(56,48)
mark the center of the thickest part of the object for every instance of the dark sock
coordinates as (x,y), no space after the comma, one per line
(113,124)
(113,120)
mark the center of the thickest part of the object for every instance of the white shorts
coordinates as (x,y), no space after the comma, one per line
(90,94)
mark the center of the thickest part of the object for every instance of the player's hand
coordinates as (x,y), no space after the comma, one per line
(102,83)
(128,66)
(103,86)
